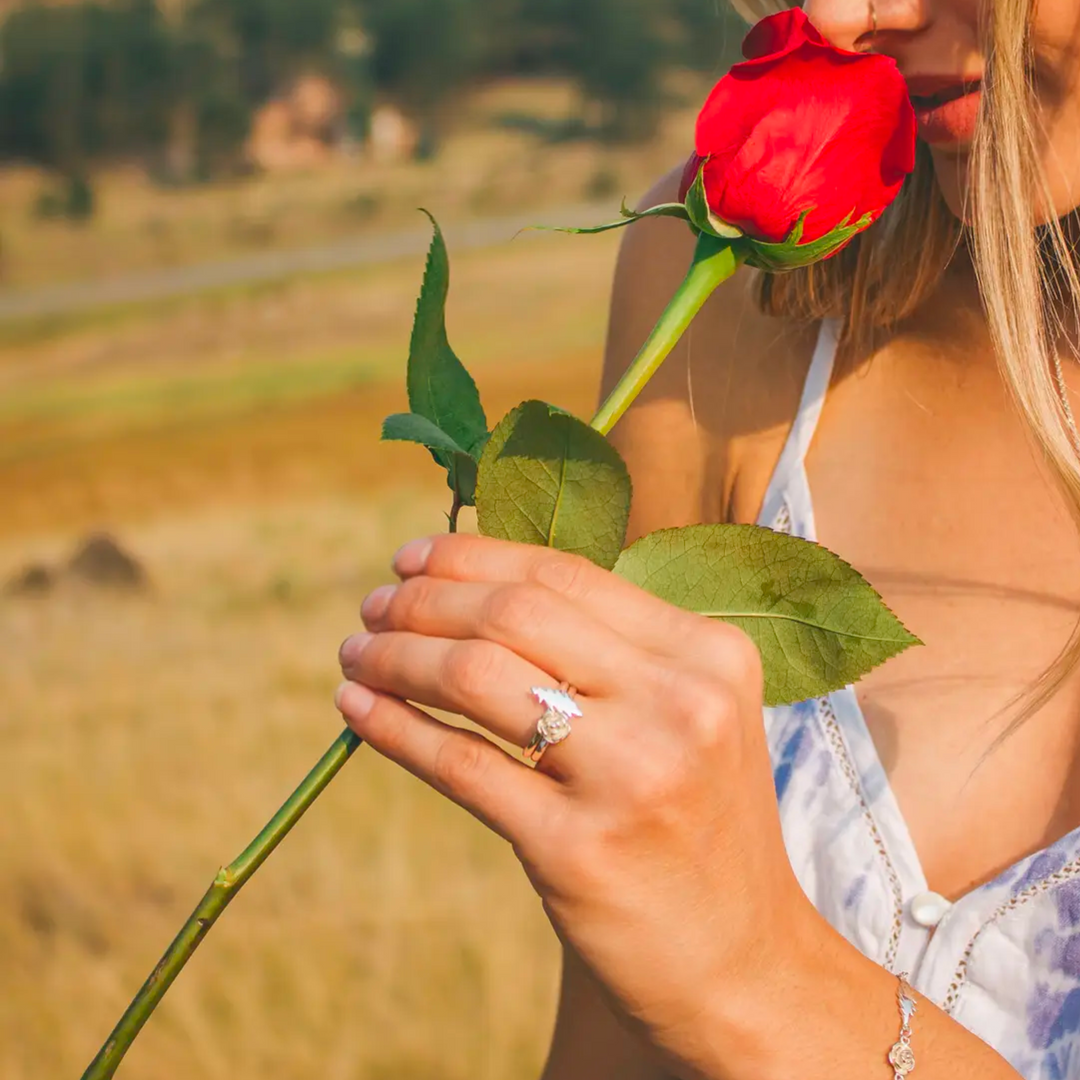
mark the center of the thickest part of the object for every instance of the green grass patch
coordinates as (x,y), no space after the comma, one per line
(44,418)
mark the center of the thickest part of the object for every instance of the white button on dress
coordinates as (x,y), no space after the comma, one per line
(928,908)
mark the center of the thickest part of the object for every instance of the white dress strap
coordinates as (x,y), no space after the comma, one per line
(788,495)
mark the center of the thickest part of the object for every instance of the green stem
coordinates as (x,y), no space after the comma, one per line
(229,881)
(715,260)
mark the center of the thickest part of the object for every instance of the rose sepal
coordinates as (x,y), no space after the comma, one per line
(628,217)
(701,216)
(792,254)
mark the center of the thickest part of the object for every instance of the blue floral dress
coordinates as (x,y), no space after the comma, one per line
(1003,960)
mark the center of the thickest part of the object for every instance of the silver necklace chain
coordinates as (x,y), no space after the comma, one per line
(1066,405)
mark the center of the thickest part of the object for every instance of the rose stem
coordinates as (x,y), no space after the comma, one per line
(455,511)
(229,881)
(714,262)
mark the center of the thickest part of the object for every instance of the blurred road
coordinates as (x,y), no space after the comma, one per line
(356,252)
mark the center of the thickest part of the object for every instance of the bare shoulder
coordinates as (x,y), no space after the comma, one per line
(731,386)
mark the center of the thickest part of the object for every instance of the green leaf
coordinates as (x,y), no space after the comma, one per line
(673,210)
(440,389)
(460,464)
(817,622)
(548,478)
(793,254)
(409,427)
(702,217)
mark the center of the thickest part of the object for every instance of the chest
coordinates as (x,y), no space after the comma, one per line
(883,796)
(922,477)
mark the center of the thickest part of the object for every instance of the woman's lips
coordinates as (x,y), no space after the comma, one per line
(948,115)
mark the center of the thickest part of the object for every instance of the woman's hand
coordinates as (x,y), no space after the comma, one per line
(652,833)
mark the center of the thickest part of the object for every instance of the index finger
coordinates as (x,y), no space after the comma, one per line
(645,620)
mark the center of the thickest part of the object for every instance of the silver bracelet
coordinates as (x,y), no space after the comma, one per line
(901,1056)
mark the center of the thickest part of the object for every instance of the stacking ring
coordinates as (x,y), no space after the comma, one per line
(554,726)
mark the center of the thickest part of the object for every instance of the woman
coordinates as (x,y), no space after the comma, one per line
(736,900)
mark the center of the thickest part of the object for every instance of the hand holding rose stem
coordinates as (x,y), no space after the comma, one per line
(776,229)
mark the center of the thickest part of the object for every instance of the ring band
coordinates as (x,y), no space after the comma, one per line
(554,726)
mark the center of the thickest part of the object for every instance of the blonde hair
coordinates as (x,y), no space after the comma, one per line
(1026,270)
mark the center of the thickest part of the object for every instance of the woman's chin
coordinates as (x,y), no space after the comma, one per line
(952,171)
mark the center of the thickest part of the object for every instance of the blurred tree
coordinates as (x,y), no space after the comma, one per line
(82,82)
(72,198)
(114,78)
(423,52)
(622,65)
(710,33)
(523,37)
(616,50)
(269,41)
(211,115)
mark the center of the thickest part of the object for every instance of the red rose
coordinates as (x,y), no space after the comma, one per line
(802,126)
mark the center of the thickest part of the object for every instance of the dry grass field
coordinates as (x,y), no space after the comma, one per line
(484,169)
(229,443)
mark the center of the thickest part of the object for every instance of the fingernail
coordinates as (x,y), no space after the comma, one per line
(412,557)
(352,647)
(353,700)
(376,603)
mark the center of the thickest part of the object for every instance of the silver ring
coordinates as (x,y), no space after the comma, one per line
(554,726)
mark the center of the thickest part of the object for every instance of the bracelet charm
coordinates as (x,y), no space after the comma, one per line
(901,1056)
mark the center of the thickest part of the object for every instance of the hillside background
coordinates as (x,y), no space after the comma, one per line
(209,258)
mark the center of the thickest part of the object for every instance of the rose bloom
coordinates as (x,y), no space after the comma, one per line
(802,126)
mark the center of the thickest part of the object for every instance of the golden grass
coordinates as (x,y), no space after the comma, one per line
(146,739)
(230,443)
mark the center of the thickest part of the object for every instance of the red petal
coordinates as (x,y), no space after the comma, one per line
(821,129)
(779,34)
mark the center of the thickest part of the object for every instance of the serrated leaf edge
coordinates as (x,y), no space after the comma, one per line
(912,639)
(437,250)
